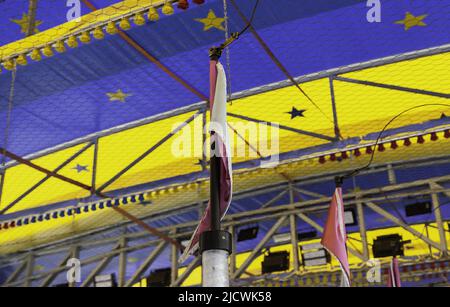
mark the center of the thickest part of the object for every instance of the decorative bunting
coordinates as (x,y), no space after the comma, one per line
(153,14)
(168,8)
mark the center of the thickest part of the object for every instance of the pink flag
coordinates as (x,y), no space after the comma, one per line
(394,274)
(334,235)
(222,150)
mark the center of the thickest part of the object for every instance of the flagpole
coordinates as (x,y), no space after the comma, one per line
(215,245)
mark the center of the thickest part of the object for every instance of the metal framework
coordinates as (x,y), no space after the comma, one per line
(291,214)
(294,212)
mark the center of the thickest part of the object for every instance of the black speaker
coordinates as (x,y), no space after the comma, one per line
(275,262)
(247,233)
(159,278)
(387,246)
(418,208)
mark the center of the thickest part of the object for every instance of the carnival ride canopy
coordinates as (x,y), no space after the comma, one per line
(92,110)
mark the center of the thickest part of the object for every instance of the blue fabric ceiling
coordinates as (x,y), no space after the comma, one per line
(64,97)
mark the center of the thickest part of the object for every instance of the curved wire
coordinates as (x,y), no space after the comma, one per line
(380,136)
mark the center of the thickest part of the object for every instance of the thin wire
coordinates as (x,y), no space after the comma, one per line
(251,18)
(380,136)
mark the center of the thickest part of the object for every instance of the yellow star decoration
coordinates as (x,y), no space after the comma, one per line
(412,21)
(212,21)
(118,96)
(23,23)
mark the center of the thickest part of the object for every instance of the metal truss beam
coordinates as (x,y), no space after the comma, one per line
(362,230)
(405,226)
(273,200)
(259,247)
(147,152)
(294,242)
(98,269)
(264,213)
(392,87)
(438,215)
(146,264)
(47,281)
(283,127)
(45,179)
(20,267)
(187,272)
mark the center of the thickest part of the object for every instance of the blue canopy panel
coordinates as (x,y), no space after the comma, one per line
(66,96)
(49,13)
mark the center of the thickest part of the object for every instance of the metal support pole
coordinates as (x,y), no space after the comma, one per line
(440,225)
(2,183)
(232,231)
(294,242)
(362,230)
(174,263)
(29,270)
(391,174)
(123,262)
(333,105)
(215,243)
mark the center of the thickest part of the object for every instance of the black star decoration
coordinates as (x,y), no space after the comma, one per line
(296,113)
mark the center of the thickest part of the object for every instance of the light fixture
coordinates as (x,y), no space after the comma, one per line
(275,262)
(105,281)
(314,255)
(248,233)
(159,278)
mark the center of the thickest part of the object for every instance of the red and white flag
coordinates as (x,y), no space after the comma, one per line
(335,237)
(394,274)
(218,106)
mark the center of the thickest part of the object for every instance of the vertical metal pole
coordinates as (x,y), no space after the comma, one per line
(427,232)
(294,242)
(337,131)
(2,183)
(440,225)
(362,230)
(29,270)
(174,263)
(122,262)
(232,231)
(215,244)
(391,174)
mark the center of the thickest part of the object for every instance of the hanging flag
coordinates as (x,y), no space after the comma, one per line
(335,236)
(394,274)
(221,144)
